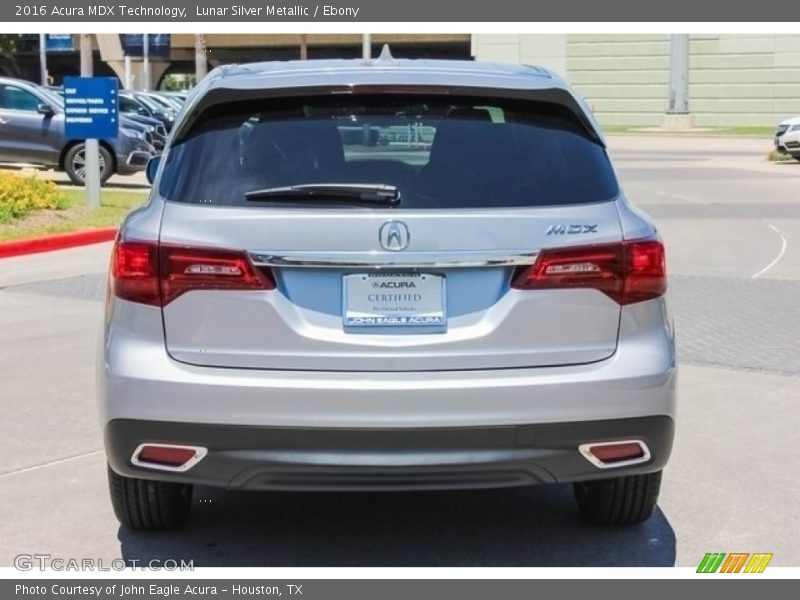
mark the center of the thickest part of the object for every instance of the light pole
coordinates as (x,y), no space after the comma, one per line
(303,46)
(366,46)
(87,65)
(678,116)
(200,61)
(146,60)
(43,57)
(128,74)
(91,148)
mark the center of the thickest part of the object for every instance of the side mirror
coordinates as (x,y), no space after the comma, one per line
(152,168)
(45,109)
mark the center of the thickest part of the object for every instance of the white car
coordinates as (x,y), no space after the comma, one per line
(787,137)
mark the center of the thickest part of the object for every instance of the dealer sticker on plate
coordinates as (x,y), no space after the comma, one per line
(394,300)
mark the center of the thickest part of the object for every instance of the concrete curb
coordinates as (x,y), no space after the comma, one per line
(58,241)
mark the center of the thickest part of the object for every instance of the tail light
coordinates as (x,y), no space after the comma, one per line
(134,272)
(627,272)
(156,274)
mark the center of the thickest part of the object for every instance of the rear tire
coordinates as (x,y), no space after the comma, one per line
(795,155)
(75,164)
(147,504)
(619,501)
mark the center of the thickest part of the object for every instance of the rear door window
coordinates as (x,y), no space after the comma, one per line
(440,152)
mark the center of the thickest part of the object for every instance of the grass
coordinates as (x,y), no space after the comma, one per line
(114,205)
(776,156)
(748,131)
(754,132)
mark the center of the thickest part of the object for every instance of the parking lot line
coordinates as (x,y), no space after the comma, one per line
(50,463)
(777,259)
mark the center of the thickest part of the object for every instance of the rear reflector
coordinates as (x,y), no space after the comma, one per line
(162,455)
(627,272)
(615,454)
(156,274)
(167,457)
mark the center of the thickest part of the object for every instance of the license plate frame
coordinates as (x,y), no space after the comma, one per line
(394,302)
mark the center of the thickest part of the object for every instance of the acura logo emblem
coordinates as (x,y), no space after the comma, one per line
(394,236)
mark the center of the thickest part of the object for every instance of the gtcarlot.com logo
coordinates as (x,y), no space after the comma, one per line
(29,562)
(734,562)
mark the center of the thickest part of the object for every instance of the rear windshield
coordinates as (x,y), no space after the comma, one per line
(440,152)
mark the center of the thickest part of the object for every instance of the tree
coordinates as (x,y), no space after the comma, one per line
(8,48)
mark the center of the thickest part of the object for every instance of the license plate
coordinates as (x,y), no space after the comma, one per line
(394,300)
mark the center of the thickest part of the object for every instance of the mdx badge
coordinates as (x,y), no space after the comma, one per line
(394,236)
(570,229)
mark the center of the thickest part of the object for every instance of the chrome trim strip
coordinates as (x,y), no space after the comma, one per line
(585,450)
(377,260)
(200,454)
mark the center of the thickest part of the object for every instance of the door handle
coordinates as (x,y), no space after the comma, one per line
(4,121)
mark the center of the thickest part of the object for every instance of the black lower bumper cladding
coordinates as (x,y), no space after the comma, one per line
(288,458)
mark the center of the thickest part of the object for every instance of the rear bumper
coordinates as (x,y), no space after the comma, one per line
(139,380)
(138,159)
(384,430)
(134,162)
(287,458)
(132,155)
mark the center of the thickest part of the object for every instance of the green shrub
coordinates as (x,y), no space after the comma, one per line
(20,196)
(777,156)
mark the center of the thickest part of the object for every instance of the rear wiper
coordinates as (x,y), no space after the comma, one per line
(377,193)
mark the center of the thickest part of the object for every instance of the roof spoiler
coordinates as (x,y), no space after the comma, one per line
(221,95)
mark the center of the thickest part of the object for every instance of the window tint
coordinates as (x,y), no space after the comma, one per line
(129,106)
(14,98)
(440,153)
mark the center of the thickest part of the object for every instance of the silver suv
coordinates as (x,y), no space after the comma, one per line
(393,274)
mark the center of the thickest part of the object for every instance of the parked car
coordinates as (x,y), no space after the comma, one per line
(295,309)
(154,126)
(179,96)
(137,103)
(787,137)
(167,102)
(32,131)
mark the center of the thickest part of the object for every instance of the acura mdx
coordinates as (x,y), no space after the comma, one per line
(386,275)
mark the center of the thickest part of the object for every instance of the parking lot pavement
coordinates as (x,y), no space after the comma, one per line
(135,181)
(732,227)
(53,266)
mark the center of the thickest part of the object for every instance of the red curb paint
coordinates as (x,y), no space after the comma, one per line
(58,241)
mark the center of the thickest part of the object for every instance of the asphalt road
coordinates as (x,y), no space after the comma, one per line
(732,226)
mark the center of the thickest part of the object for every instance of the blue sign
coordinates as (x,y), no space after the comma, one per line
(59,42)
(91,107)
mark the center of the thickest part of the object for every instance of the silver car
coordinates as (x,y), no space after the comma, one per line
(386,275)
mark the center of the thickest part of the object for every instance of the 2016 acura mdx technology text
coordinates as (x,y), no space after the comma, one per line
(380,275)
